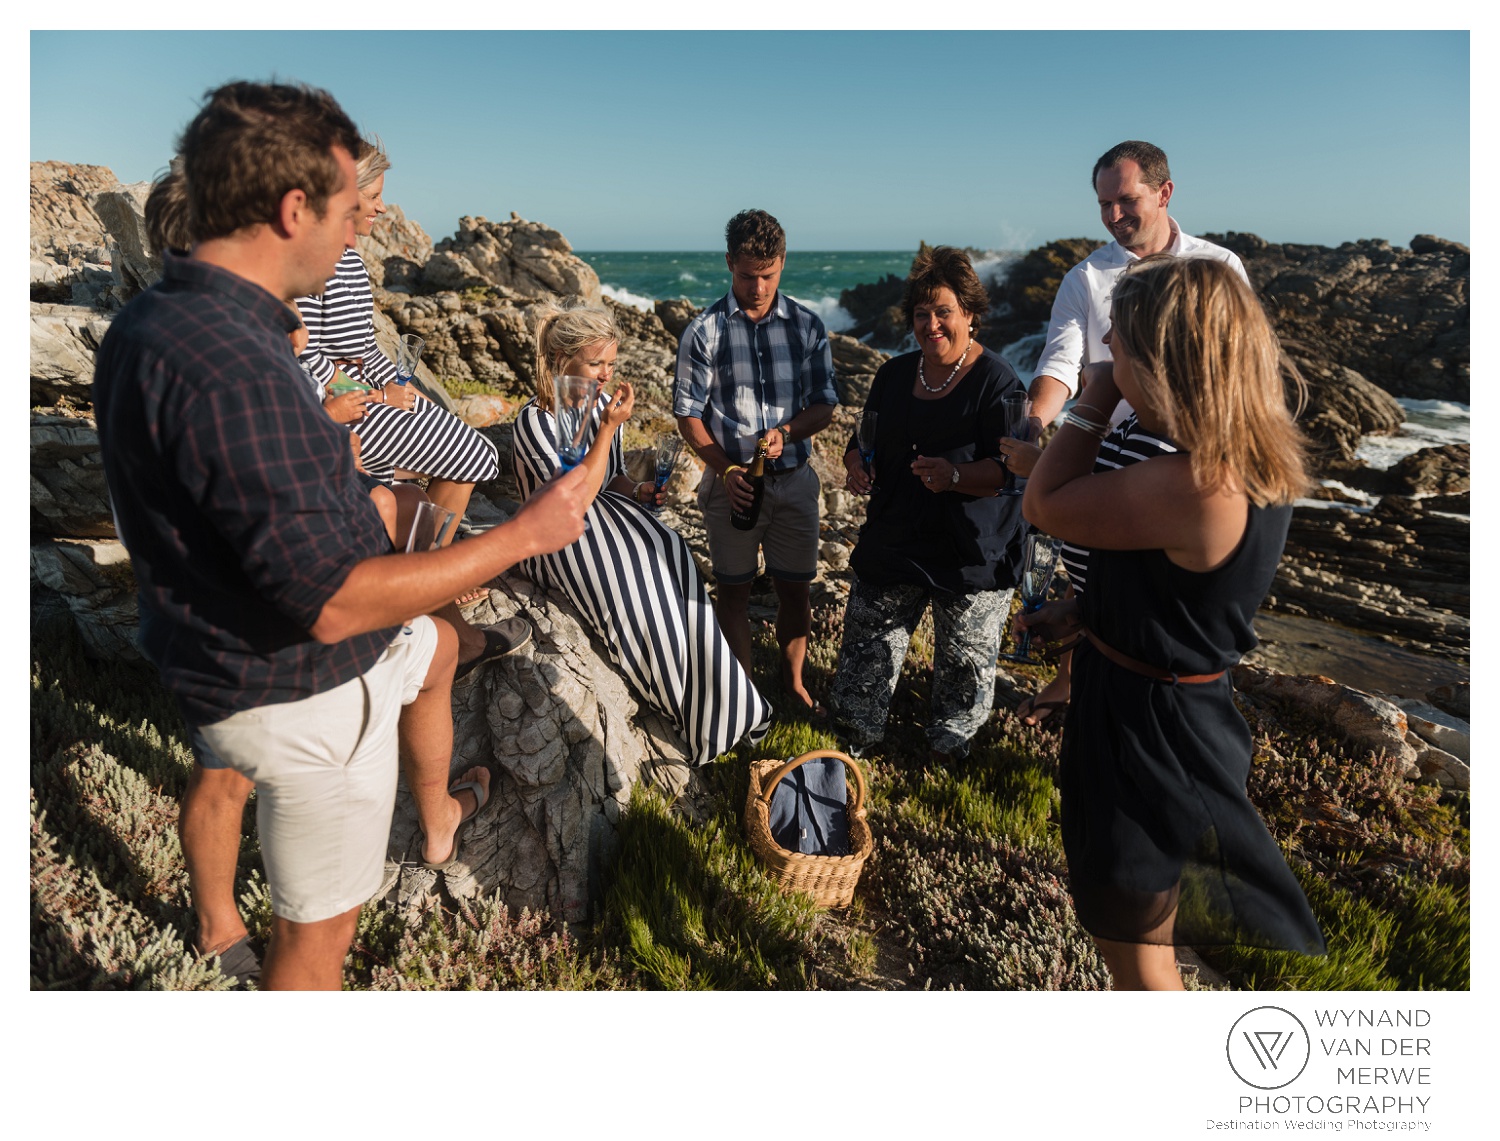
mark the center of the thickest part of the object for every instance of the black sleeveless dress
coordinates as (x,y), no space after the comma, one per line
(1155,818)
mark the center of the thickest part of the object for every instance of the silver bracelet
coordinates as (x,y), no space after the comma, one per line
(1098,431)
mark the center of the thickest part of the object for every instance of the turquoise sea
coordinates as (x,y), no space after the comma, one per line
(813,277)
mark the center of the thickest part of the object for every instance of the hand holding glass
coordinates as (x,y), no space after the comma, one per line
(866,439)
(1037,570)
(668,448)
(574,398)
(1017,410)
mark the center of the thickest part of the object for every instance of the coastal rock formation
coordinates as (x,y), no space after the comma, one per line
(65,229)
(1400,570)
(1399,317)
(68,494)
(395,251)
(63,341)
(123,212)
(1342,407)
(1431,471)
(93,579)
(528,257)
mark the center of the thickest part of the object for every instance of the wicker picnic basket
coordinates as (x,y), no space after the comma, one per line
(829,880)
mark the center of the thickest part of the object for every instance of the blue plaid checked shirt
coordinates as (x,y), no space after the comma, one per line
(742,378)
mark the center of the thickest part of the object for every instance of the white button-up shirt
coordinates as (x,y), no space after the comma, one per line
(1080,313)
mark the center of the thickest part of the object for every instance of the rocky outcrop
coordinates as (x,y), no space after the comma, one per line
(396,251)
(68,494)
(1431,471)
(93,579)
(1400,570)
(63,341)
(1341,407)
(65,229)
(1399,317)
(123,212)
(527,257)
(567,742)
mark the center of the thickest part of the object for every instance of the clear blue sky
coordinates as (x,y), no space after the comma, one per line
(855,140)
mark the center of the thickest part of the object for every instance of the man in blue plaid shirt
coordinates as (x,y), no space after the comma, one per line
(757,365)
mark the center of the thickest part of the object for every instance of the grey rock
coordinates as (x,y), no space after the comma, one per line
(63,341)
(528,257)
(94,580)
(1362,719)
(68,493)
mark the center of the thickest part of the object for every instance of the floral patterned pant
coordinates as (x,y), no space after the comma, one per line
(878,625)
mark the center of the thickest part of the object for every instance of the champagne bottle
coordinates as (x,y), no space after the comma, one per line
(746,519)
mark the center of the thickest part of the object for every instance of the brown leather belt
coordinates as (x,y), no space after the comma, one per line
(1125,661)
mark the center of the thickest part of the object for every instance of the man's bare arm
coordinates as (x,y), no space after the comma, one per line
(389,589)
(1048,395)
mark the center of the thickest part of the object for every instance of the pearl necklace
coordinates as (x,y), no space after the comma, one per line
(922,372)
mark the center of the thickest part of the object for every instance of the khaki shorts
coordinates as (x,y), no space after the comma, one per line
(787,528)
(324,770)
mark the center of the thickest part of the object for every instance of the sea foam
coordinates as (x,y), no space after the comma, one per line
(835,317)
(625,297)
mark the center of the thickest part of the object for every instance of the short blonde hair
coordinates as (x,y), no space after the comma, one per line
(1210,367)
(563,331)
(371,162)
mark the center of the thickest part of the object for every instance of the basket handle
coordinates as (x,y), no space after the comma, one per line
(858,808)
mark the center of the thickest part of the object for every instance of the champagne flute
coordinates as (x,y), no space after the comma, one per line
(1037,570)
(1017,410)
(575,398)
(668,448)
(866,439)
(408,353)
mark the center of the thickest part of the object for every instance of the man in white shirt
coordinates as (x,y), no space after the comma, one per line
(1134,186)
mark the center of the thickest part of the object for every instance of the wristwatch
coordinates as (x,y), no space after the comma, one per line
(786,434)
(954,481)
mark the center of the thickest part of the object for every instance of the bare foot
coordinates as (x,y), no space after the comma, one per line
(1050,702)
(472,596)
(462,808)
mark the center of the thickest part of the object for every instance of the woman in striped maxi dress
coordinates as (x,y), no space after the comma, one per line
(632,577)
(398,427)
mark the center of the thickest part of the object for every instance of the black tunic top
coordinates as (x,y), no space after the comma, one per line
(948,541)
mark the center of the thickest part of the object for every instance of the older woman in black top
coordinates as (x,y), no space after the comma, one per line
(935,533)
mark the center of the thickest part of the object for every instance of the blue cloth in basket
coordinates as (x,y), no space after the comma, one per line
(810,809)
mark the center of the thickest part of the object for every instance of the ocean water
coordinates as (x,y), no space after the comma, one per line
(815,278)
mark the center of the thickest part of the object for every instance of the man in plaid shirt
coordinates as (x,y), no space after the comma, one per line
(270,599)
(753,365)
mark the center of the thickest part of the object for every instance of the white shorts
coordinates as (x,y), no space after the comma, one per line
(324,770)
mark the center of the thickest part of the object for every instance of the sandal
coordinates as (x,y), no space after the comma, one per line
(481,798)
(502,638)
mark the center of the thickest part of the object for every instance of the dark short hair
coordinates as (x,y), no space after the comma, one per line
(943,267)
(756,235)
(251,144)
(169,215)
(1151,159)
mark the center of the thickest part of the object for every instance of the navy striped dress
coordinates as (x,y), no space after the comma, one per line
(1127,444)
(634,581)
(428,440)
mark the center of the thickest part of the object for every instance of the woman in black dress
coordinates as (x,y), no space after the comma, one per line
(1163,845)
(935,534)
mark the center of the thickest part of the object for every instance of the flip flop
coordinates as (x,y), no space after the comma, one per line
(502,638)
(239,960)
(1030,706)
(481,797)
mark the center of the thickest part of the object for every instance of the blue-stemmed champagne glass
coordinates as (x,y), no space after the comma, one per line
(668,448)
(866,440)
(408,353)
(1017,410)
(1037,569)
(575,397)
